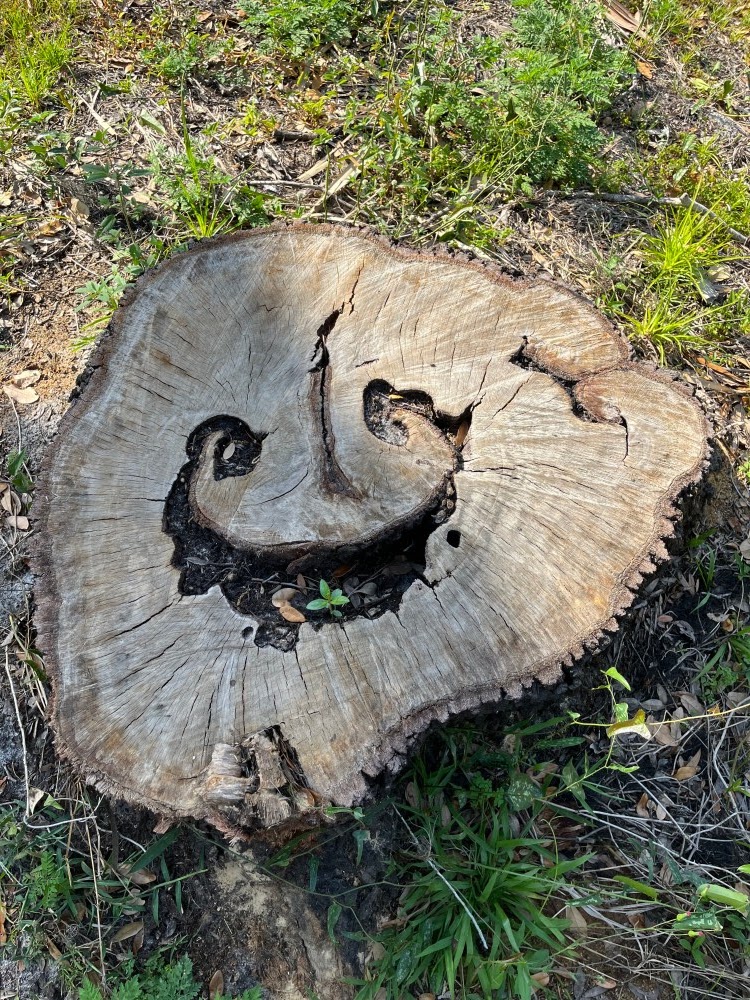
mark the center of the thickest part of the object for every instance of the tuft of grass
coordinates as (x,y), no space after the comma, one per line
(202,198)
(476,916)
(37,37)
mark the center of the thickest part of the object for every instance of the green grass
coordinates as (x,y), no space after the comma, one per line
(453,122)
(38,40)
(477,913)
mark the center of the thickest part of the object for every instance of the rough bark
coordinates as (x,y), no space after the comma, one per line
(287,400)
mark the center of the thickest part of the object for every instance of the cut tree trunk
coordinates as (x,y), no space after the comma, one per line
(473,461)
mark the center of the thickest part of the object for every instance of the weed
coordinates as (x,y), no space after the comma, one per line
(301,28)
(18,472)
(204,200)
(473,917)
(192,54)
(678,295)
(329,600)
(453,121)
(157,981)
(38,41)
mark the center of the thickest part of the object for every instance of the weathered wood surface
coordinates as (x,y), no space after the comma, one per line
(564,488)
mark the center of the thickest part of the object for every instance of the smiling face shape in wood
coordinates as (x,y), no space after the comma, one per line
(317,378)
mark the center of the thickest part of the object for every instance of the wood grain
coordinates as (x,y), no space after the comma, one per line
(564,492)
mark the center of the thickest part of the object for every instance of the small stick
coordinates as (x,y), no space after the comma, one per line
(27,811)
(684,201)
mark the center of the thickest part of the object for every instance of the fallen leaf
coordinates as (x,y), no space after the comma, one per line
(35,796)
(21,396)
(661,812)
(53,949)
(745,549)
(302,583)
(662,734)
(461,433)
(29,376)
(685,772)
(621,16)
(578,923)
(79,208)
(3,934)
(49,227)
(644,69)
(641,806)
(290,614)
(128,931)
(216,986)
(17,521)
(228,451)
(690,703)
(10,502)
(283,597)
(141,877)
(541,978)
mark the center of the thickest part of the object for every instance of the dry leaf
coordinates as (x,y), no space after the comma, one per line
(18,521)
(283,596)
(621,16)
(216,986)
(302,583)
(21,396)
(49,227)
(228,451)
(3,934)
(29,376)
(142,877)
(461,433)
(128,931)
(541,978)
(661,812)
(290,614)
(662,734)
(578,923)
(641,806)
(79,208)
(53,949)
(745,549)
(35,797)
(644,69)
(10,502)
(690,703)
(688,770)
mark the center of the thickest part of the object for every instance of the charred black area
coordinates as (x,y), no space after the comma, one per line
(249,580)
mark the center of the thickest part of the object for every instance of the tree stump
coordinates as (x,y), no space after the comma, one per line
(473,461)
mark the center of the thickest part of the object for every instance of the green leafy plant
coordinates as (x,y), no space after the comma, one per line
(472,918)
(15,464)
(157,981)
(329,600)
(300,28)
(202,198)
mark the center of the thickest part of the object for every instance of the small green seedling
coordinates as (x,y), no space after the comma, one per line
(328,600)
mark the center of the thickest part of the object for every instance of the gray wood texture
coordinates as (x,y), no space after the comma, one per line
(569,473)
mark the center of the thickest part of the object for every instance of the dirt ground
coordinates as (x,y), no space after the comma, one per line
(243,912)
